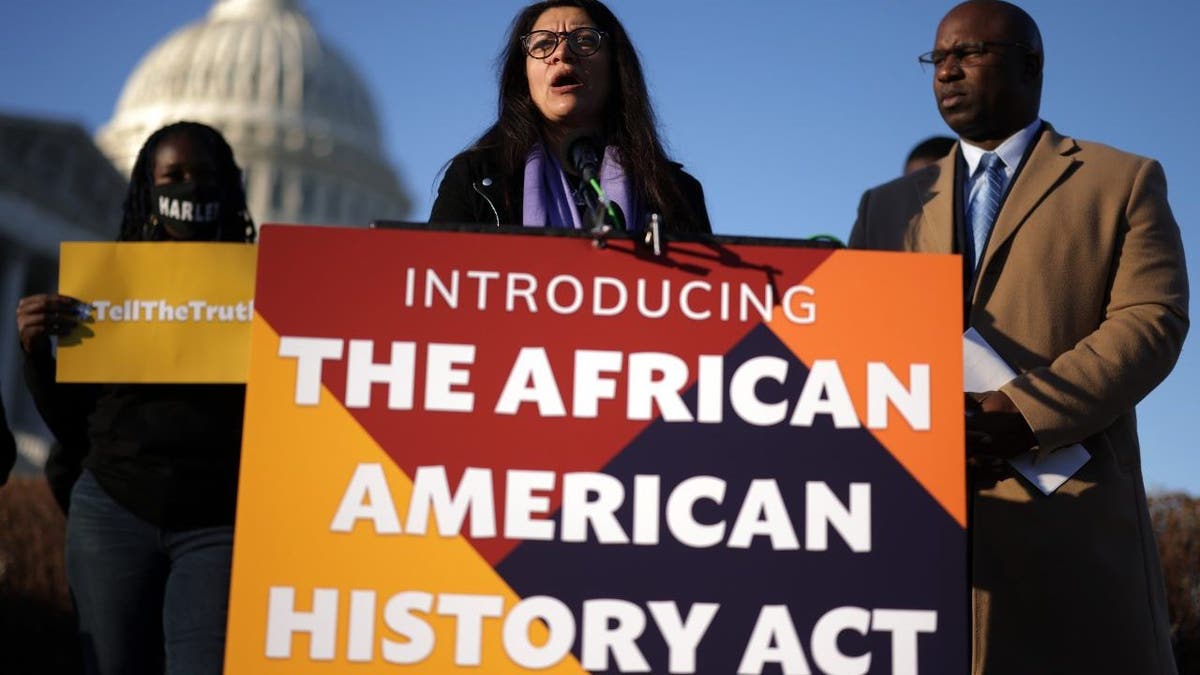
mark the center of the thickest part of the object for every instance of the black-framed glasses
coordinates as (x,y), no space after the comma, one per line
(967,54)
(540,44)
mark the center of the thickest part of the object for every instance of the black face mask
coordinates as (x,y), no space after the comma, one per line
(188,210)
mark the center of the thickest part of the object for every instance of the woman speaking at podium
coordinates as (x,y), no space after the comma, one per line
(575,141)
(150,523)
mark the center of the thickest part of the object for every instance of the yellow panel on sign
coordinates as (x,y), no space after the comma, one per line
(160,312)
(286,549)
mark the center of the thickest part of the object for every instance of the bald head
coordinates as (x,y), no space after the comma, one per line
(988,84)
(1014,22)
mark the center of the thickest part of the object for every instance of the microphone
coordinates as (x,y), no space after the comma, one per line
(584,154)
(585,158)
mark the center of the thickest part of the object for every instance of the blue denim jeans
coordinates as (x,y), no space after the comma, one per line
(150,600)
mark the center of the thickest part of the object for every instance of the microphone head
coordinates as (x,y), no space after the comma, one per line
(584,155)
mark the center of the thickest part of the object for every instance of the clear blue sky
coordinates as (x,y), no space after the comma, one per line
(785,110)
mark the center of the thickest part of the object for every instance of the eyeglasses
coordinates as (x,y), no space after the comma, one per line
(967,54)
(540,44)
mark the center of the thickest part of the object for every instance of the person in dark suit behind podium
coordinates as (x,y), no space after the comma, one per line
(927,152)
(569,72)
(1074,273)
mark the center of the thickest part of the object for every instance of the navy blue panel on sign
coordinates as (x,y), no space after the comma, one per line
(916,562)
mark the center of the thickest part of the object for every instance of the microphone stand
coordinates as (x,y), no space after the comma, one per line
(583,153)
(597,206)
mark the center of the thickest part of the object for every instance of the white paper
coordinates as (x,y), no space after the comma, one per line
(984,370)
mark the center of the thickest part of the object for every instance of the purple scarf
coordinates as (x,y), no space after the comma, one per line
(547,200)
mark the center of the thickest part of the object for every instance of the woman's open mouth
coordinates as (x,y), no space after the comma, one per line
(565,82)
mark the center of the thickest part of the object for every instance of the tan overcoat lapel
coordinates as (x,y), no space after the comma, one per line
(935,232)
(1047,164)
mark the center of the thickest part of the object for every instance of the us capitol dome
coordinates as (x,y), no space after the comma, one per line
(301,123)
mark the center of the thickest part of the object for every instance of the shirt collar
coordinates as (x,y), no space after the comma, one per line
(1011,150)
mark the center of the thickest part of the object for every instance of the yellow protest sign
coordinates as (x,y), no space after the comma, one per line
(159,311)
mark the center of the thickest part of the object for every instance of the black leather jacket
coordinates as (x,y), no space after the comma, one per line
(476,190)
(169,453)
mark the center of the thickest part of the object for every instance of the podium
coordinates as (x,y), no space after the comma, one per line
(480,451)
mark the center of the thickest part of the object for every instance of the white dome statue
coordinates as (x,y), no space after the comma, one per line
(301,123)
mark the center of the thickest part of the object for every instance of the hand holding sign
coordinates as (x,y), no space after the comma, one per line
(45,314)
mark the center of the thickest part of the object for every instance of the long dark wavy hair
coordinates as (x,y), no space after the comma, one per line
(629,122)
(235,224)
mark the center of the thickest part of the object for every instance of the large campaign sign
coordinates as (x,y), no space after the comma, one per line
(500,453)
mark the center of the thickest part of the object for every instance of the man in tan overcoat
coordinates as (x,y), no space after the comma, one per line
(1073,271)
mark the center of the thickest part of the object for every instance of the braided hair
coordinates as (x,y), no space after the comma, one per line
(138,210)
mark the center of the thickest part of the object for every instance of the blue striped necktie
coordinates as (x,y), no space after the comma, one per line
(984,204)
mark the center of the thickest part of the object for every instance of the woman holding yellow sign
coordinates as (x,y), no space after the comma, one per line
(149,471)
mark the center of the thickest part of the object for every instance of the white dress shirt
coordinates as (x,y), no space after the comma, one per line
(1011,151)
